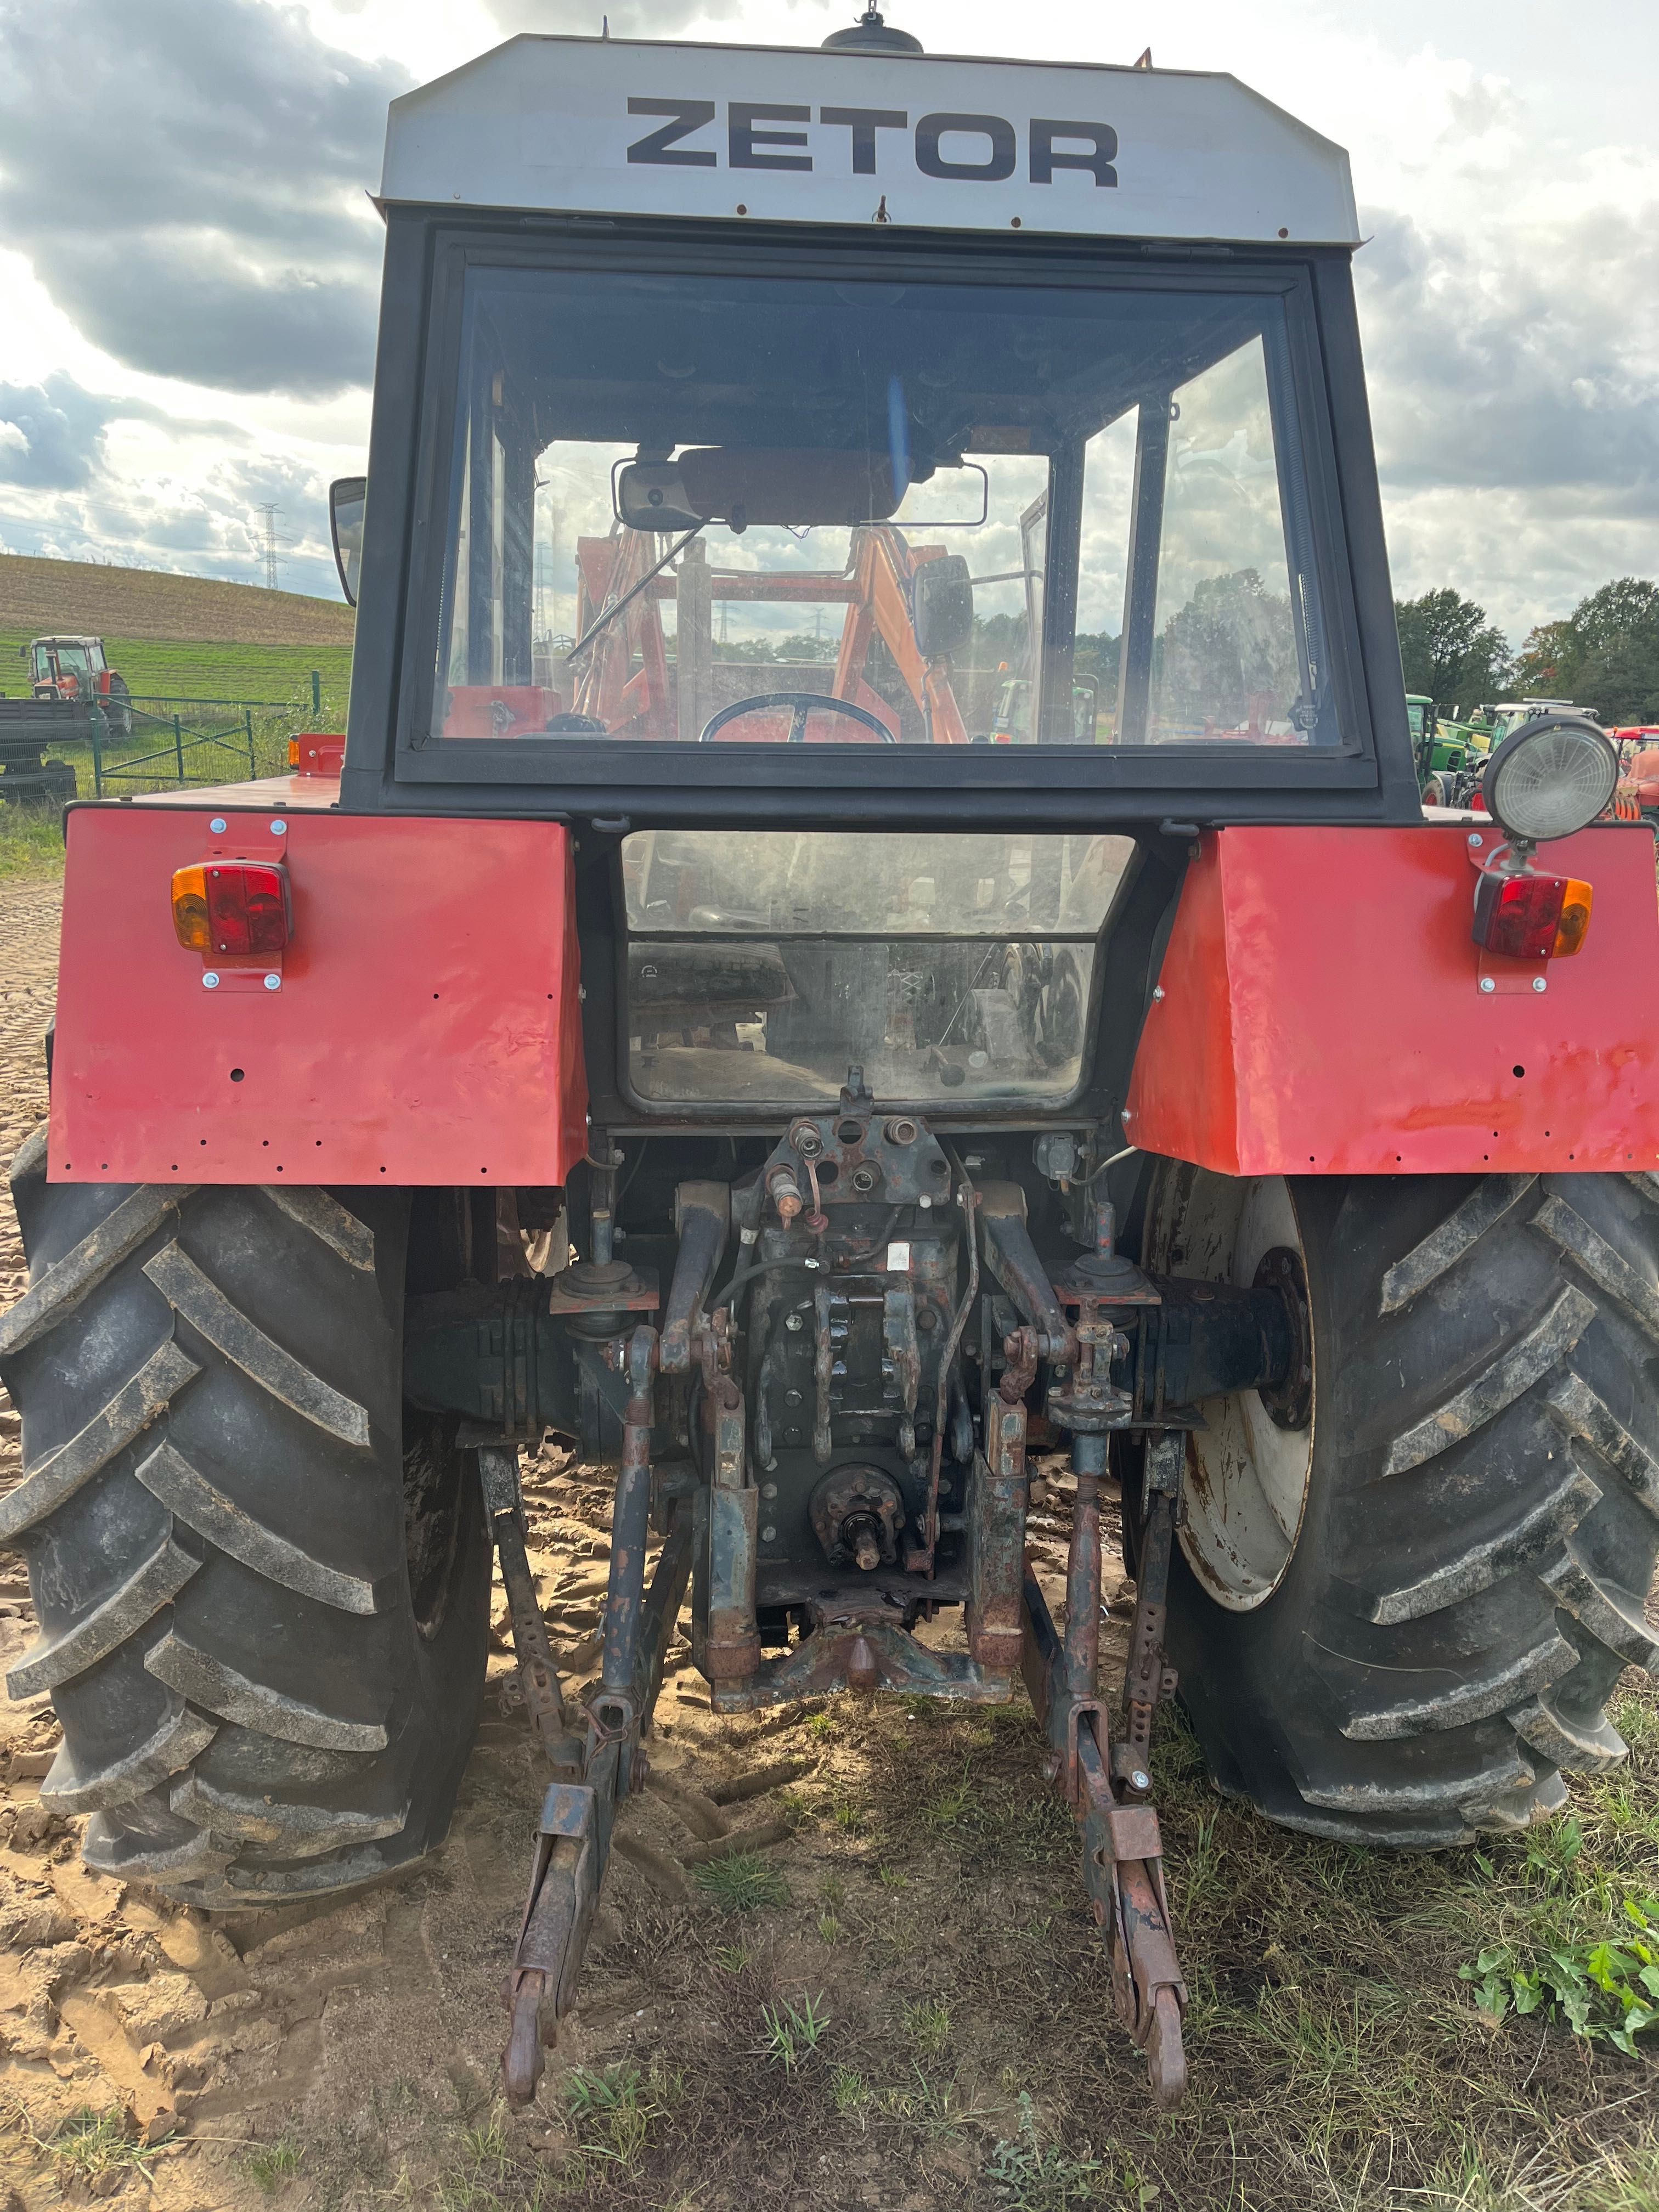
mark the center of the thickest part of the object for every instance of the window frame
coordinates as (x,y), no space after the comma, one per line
(670,782)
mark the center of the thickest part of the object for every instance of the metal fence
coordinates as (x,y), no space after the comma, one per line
(147,742)
(182,742)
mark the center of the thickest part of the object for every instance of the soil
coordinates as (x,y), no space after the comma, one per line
(897,2000)
(76,597)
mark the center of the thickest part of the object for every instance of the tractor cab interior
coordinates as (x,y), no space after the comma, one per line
(953,970)
(720,508)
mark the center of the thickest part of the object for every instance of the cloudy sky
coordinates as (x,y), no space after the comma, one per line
(188,262)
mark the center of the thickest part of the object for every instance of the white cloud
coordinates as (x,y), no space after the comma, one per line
(216,299)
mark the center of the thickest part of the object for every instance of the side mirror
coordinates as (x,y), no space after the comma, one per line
(943,617)
(346,497)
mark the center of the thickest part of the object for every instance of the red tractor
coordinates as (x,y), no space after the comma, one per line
(807,1112)
(76,668)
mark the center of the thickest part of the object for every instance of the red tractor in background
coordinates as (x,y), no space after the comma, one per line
(76,668)
(807,1112)
(1638,747)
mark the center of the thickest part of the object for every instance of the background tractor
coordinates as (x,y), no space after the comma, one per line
(76,668)
(807,1111)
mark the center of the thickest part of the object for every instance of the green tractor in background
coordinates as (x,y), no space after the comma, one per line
(1450,755)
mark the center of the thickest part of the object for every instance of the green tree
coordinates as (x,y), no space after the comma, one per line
(1604,655)
(1550,652)
(1450,651)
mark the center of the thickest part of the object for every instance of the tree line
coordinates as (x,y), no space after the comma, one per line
(1604,655)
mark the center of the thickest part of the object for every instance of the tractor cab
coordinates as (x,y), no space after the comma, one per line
(64,667)
(1500,719)
(75,670)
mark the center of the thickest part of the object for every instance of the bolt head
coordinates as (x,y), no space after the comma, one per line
(273,982)
(1540,983)
(768,1535)
(792,1322)
(209,981)
(1486,983)
(1476,839)
(1126,1117)
(1157,990)
(1140,1779)
(217,825)
(279,828)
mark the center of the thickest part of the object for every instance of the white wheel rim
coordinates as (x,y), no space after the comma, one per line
(1246,1478)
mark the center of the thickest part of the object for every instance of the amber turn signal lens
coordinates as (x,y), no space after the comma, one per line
(232,907)
(190,910)
(293,752)
(1574,925)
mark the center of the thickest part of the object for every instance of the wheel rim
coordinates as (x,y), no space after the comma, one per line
(1246,1472)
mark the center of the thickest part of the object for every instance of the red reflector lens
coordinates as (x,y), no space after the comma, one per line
(1531,917)
(248,909)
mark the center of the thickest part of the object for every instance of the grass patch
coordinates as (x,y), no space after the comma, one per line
(792,2032)
(611,2112)
(30,839)
(273,2164)
(928,2025)
(90,2147)
(743,1881)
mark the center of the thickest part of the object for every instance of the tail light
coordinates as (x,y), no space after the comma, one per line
(232,906)
(1531,917)
(309,754)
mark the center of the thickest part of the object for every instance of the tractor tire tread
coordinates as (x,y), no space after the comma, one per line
(1493,1429)
(251,1709)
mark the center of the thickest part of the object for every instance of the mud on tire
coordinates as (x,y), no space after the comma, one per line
(1481,1517)
(262,1595)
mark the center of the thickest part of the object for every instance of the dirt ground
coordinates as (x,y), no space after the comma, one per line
(893,1998)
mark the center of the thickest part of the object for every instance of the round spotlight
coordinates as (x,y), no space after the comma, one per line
(1550,777)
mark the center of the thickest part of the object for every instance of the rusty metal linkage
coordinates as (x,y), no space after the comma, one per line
(573,1841)
(539,1673)
(1106,1789)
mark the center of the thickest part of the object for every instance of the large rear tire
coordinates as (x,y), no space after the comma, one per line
(1407,1635)
(261,1589)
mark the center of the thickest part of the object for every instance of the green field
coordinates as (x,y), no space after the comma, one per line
(266,686)
(162,668)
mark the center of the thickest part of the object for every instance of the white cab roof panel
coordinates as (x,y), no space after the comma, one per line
(623,126)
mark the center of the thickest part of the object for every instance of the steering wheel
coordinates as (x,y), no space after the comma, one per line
(802,702)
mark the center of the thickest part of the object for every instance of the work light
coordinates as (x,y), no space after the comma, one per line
(1550,777)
